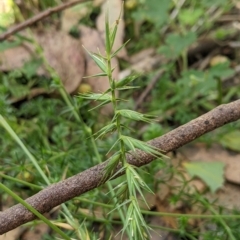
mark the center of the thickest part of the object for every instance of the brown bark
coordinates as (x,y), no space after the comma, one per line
(83,182)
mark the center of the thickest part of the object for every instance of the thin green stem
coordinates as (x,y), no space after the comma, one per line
(34,211)
(21,182)
(77,116)
(220,90)
(152,213)
(114,104)
(185,60)
(220,219)
(30,156)
(224,224)
(200,216)
(7,127)
(173,231)
(86,129)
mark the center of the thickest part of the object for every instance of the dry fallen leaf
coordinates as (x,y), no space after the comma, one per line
(62,52)
(65,55)
(13,58)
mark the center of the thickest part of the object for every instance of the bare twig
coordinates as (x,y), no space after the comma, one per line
(63,191)
(37,18)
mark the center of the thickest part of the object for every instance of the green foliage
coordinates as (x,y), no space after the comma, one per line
(128,191)
(30,68)
(153,130)
(7,45)
(217,3)
(221,70)
(58,132)
(199,88)
(210,172)
(153,11)
(175,44)
(231,140)
(189,17)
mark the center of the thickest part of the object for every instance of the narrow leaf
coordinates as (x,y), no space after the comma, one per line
(107,129)
(107,35)
(111,166)
(100,105)
(134,143)
(99,60)
(113,146)
(123,82)
(96,75)
(97,96)
(133,115)
(114,31)
(119,49)
(113,35)
(127,88)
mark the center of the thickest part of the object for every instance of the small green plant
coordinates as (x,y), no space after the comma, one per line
(131,189)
